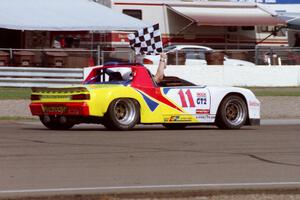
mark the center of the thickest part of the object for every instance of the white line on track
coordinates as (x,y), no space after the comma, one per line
(184,186)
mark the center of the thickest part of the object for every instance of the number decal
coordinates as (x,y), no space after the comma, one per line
(189,96)
(182,98)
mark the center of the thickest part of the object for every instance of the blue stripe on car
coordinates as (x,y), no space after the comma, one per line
(151,104)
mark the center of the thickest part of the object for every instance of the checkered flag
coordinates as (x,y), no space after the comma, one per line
(146,41)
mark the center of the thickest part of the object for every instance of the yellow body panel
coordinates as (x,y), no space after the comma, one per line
(101,95)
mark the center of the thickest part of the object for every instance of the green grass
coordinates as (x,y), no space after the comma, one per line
(14,93)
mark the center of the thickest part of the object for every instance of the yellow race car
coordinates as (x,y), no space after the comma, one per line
(121,96)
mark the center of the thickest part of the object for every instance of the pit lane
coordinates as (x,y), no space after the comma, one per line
(90,159)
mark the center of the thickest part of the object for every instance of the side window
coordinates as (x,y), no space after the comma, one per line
(133,13)
(272,29)
(194,53)
(248,28)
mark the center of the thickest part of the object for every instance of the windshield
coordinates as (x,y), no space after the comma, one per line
(169,48)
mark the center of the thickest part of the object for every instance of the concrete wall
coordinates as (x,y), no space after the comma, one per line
(263,76)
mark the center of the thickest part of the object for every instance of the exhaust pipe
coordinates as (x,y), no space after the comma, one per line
(46,119)
(62,120)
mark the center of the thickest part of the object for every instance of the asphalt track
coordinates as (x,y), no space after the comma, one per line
(90,159)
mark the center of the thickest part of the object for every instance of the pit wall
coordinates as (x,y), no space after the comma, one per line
(215,75)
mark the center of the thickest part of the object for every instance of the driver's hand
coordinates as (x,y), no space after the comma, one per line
(163,56)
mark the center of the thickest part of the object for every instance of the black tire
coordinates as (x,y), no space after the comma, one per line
(54,124)
(232,113)
(175,126)
(122,114)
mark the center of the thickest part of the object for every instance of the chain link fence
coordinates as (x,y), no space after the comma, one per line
(79,58)
(64,58)
(277,56)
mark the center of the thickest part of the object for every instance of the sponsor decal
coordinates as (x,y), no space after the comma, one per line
(202,111)
(254,104)
(205,117)
(201,98)
(201,94)
(54,109)
(178,118)
(173,119)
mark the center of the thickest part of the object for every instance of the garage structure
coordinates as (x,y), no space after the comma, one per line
(224,25)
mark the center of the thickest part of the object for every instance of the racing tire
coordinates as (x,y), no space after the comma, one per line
(232,113)
(175,126)
(54,124)
(122,114)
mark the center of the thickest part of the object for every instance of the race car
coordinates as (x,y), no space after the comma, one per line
(121,96)
(194,55)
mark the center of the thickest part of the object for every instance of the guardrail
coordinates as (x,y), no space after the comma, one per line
(213,75)
(244,76)
(39,77)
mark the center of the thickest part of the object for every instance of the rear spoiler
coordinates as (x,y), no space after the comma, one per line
(59,90)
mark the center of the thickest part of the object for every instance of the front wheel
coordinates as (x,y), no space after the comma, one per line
(232,113)
(122,114)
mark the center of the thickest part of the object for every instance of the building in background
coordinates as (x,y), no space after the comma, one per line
(233,24)
(287,10)
(31,31)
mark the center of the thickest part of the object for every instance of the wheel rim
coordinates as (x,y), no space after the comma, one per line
(234,112)
(124,111)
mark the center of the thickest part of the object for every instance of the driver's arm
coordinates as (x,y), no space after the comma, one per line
(159,76)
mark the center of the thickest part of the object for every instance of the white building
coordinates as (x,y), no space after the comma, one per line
(218,24)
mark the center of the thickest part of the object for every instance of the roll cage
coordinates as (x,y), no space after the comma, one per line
(141,76)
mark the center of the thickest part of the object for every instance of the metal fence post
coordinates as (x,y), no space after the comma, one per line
(256,55)
(10,54)
(130,57)
(271,56)
(102,57)
(176,57)
(98,55)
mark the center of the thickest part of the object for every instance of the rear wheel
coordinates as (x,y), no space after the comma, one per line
(122,114)
(232,113)
(56,123)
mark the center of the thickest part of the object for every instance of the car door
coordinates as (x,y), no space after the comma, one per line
(193,100)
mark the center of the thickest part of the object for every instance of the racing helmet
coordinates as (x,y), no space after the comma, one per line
(127,76)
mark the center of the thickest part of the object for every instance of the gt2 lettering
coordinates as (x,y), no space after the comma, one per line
(202,101)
